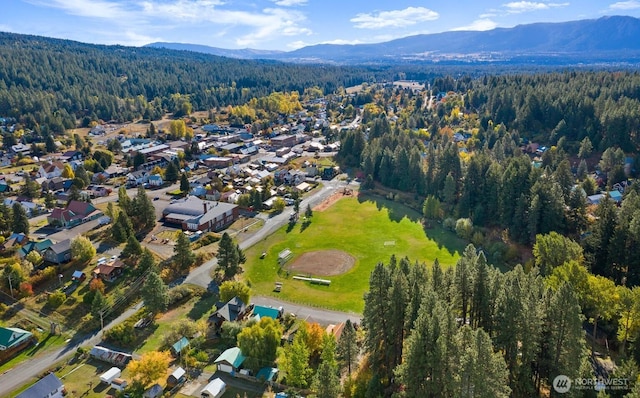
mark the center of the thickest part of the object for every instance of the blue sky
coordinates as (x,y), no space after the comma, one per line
(282,24)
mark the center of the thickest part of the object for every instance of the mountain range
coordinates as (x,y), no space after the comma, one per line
(610,39)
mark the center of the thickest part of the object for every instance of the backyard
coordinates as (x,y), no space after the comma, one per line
(366,229)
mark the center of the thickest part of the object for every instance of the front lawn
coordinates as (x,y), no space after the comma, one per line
(370,229)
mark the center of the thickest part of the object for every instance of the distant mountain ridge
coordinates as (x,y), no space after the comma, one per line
(607,39)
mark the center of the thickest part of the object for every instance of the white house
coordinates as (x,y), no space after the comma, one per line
(49,386)
(50,170)
(138,177)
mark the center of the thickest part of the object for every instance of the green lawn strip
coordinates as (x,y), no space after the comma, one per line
(370,231)
(47,342)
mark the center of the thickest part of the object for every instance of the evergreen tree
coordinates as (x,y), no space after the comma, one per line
(229,256)
(147,262)
(99,304)
(20,221)
(154,293)
(183,257)
(6,218)
(81,173)
(132,248)
(480,371)
(124,201)
(172,173)
(347,350)
(308,212)
(49,200)
(184,183)
(122,228)
(144,212)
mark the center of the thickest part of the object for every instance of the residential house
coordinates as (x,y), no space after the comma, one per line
(195,214)
(108,272)
(30,208)
(49,386)
(21,149)
(75,213)
(234,309)
(155,180)
(4,187)
(58,253)
(50,169)
(616,196)
(15,239)
(230,360)
(155,391)
(12,341)
(5,161)
(40,247)
(56,184)
(138,177)
(98,190)
(71,155)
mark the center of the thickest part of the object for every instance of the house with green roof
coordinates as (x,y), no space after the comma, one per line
(230,361)
(179,345)
(12,341)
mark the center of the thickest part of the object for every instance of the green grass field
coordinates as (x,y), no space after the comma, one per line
(370,229)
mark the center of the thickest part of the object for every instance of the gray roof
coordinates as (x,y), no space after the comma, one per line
(42,388)
(61,247)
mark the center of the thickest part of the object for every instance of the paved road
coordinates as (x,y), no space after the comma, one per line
(25,371)
(201,275)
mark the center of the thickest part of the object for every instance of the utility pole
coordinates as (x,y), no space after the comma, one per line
(10,285)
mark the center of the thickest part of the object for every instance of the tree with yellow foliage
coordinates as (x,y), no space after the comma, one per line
(150,367)
(67,172)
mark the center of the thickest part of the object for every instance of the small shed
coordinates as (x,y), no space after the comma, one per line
(267,374)
(78,276)
(214,389)
(119,384)
(179,345)
(110,375)
(177,377)
(155,391)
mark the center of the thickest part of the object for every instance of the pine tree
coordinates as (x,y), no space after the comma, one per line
(20,221)
(348,350)
(154,293)
(143,209)
(99,304)
(147,262)
(183,256)
(480,371)
(171,173)
(122,228)
(132,248)
(228,256)
(184,183)
(124,201)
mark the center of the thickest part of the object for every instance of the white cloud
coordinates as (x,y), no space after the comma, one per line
(394,19)
(479,24)
(487,15)
(290,3)
(625,5)
(518,7)
(136,20)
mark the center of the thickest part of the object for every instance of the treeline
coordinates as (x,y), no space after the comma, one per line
(52,85)
(471,330)
(603,106)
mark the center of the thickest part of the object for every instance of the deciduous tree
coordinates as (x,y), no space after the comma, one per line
(231,289)
(150,367)
(259,342)
(82,249)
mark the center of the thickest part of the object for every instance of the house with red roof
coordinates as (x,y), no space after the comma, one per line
(75,213)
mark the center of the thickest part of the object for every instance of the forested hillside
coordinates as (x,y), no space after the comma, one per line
(56,84)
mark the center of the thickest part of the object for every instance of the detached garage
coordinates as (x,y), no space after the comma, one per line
(230,361)
(215,389)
